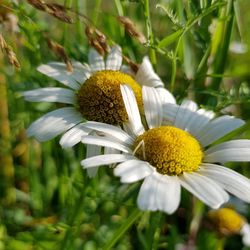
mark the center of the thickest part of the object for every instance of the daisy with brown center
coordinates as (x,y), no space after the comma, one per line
(169,153)
(92,93)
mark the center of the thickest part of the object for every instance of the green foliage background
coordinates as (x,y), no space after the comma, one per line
(47,200)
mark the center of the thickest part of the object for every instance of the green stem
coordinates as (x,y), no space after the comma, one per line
(195,222)
(150,34)
(174,66)
(79,28)
(220,244)
(126,225)
(6,162)
(96,12)
(120,12)
(222,50)
(119,7)
(67,4)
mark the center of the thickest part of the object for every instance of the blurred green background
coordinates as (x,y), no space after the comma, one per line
(200,49)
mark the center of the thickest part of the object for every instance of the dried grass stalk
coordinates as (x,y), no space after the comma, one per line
(131,29)
(61,53)
(97,40)
(54,9)
(9,52)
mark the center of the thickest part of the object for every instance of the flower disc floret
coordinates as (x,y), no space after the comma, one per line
(170,150)
(226,220)
(99,98)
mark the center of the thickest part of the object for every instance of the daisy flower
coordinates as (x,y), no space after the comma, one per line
(174,153)
(91,92)
(227,221)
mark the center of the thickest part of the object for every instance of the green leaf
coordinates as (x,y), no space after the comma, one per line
(125,226)
(166,41)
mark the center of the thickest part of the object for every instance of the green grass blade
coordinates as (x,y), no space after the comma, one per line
(126,225)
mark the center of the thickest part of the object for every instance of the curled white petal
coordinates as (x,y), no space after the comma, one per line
(110,130)
(133,170)
(105,142)
(146,75)
(74,135)
(134,118)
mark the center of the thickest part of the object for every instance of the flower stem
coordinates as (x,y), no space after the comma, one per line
(6,162)
(126,225)
(195,222)
(220,244)
(150,35)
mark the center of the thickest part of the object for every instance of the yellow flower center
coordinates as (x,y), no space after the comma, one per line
(170,150)
(226,220)
(100,99)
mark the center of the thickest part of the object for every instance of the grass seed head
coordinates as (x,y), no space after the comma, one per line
(60,52)
(131,29)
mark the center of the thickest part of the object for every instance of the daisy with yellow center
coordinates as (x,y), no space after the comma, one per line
(226,221)
(92,93)
(172,150)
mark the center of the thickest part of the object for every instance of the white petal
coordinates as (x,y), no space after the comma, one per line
(50,95)
(170,112)
(132,110)
(234,144)
(217,128)
(198,121)
(54,123)
(92,150)
(126,69)
(106,142)
(168,193)
(185,113)
(228,179)
(110,130)
(81,72)
(146,75)
(189,104)
(204,188)
(96,60)
(114,59)
(74,135)
(165,95)
(108,150)
(228,154)
(183,116)
(133,170)
(147,195)
(245,232)
(105,160)
(59,72)
(159,192)
(152,106)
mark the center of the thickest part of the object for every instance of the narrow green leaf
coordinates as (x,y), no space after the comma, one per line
(166,41)
(125,226)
